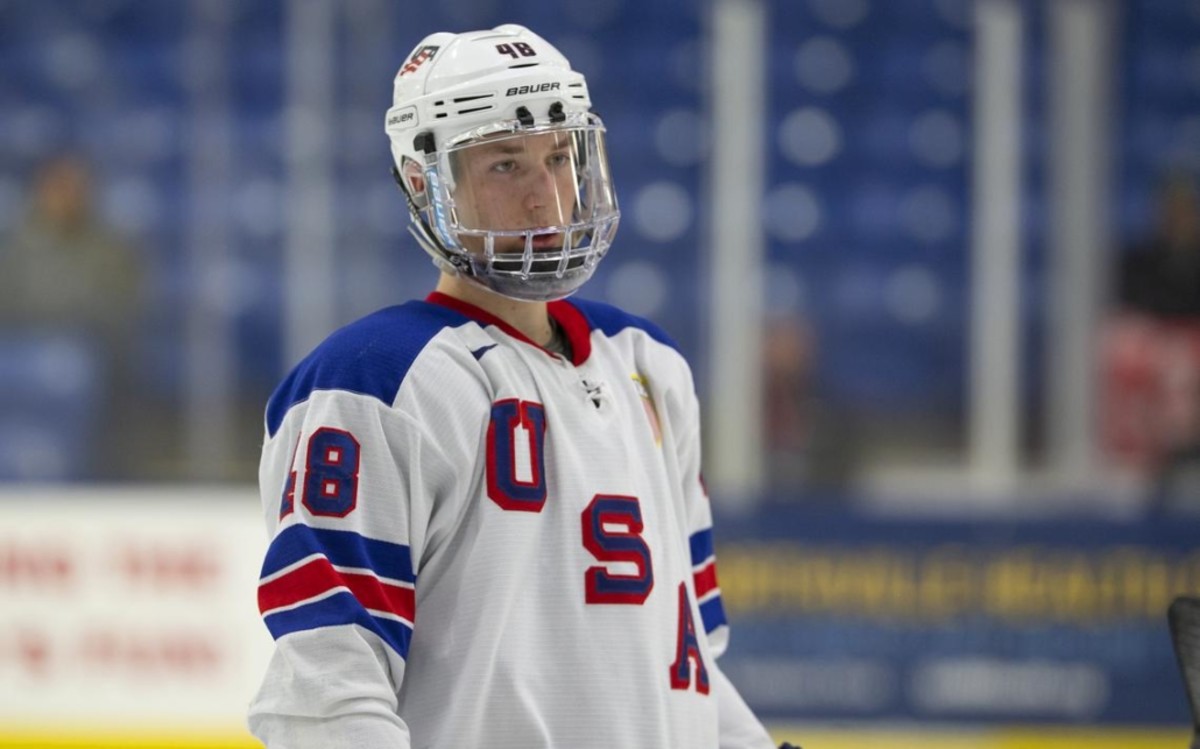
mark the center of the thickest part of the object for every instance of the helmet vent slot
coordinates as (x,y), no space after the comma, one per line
(475,109)
(462,99)
(523,65)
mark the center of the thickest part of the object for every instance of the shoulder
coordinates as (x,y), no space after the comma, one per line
(371,356)
(612,321)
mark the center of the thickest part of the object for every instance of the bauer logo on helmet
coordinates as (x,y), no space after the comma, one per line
(539,88)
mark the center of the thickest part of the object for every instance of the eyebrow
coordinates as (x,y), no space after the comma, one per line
(501,148)
(509,149)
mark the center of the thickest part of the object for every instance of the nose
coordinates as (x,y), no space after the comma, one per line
(541,193)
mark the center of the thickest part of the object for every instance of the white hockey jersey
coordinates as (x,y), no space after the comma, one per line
(478,544)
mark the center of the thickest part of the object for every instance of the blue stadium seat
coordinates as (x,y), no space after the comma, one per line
(49,391)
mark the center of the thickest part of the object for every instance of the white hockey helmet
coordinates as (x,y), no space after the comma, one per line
(503,165)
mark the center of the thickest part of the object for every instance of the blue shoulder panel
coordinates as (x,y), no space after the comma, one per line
(369,357)
(611,320)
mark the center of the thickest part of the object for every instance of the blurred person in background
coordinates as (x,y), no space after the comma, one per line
(1152,350)
(810,445)
(489,527)
(1160,275)
(788,349)
(69,280)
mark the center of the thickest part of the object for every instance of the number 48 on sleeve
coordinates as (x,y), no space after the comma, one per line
(331,463)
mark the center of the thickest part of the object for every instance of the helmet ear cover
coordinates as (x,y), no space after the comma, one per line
(411,183)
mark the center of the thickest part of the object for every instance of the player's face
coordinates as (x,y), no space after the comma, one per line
(514,184)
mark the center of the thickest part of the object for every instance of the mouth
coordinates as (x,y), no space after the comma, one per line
(548,242)
(551,241)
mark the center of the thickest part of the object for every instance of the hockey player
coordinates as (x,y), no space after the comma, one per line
(489,527)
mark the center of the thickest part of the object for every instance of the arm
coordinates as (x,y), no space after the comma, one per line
(329,688)
(737,725)
(344,484)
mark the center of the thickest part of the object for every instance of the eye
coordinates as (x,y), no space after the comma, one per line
(560,159)
(504,167)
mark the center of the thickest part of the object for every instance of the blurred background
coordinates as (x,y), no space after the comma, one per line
(936,264)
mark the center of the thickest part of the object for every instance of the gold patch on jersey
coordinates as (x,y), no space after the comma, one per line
(643,388)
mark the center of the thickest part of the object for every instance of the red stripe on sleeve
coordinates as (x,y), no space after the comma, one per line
(379,596)
(706,580)
(319,576)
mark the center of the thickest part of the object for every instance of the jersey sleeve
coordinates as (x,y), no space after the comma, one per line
(737,725)
(350,485)
(700,531)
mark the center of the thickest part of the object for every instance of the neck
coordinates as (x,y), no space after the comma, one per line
(531,318)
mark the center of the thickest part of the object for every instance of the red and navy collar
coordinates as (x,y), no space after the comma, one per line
(573,323)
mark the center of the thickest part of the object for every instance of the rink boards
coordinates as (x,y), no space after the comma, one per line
(127,619)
